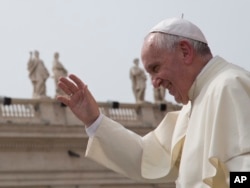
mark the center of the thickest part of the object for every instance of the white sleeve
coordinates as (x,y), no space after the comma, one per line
(91,130)
(122,151)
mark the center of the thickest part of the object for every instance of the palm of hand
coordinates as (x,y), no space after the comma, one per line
(80,100)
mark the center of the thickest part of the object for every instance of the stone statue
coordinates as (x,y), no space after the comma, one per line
(58,71)
(159,94)
(138,78)
(38,75)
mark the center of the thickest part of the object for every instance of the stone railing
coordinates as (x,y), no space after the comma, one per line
(51,112)
(17,110)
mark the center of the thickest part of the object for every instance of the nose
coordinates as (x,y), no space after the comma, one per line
(156,82)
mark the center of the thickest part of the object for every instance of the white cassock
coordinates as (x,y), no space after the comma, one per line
(196,147)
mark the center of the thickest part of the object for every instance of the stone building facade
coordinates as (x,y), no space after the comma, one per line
(42,144)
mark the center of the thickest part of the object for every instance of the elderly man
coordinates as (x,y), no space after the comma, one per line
(197,146)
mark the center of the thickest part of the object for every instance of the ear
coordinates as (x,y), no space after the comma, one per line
(187,51)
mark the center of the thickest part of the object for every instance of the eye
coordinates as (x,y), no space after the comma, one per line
(155,68)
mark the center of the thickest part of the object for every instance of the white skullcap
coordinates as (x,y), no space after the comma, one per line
(179,27)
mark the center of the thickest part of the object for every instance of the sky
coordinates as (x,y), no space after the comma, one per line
(98,39)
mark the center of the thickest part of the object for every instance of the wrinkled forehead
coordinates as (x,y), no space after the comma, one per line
(149,47)
(150,54)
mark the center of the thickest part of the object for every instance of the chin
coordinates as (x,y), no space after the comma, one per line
(181,101)
(185,102)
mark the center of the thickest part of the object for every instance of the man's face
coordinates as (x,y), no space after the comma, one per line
(167,69)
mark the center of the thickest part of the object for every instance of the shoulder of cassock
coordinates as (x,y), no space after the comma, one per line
(226,104)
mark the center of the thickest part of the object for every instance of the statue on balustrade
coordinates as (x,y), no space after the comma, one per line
(138,78)
(159,94)
(38,75)
(58,71)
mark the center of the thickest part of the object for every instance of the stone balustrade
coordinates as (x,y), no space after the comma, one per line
(51,112)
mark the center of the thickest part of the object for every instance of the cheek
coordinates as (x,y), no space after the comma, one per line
(164,74)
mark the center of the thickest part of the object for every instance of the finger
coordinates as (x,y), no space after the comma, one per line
(78,81)
(63,100)
(69,85)
(64,87)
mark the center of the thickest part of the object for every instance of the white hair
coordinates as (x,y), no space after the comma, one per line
(169,42)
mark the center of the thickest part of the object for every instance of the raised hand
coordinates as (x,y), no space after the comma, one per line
(79,99)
